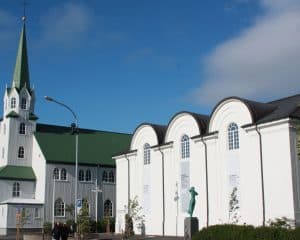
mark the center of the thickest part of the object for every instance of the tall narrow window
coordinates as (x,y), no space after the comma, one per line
(56,173)
(104,176)
(146,154)
(16,190)
(4,129)
(63,174)
(59,208)
(3,152)
(88,175)
(23,103)
(13,103)
(233,136)
(21,152)
(111,177)
(81,175)
(22,128)
(108,208)
(185,147)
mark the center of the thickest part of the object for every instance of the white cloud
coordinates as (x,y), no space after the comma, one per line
(66,24)
(263,62)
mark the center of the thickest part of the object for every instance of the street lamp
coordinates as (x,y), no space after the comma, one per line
(50,99)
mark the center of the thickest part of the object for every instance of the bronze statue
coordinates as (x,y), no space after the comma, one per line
(192,201)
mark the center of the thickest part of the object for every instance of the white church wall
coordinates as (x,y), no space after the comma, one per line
(277,171)
(180,125)
(39,168)
(227,164)
(121,193)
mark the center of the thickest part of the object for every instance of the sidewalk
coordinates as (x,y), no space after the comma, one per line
(99,236)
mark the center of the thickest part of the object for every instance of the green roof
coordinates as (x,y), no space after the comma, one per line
(12,114)
(11,172)
(21,72)
(33,117)
(94,147)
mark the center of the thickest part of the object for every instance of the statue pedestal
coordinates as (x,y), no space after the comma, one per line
(191,226)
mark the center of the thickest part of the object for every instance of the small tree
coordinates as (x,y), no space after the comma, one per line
(134,216)
(84,223)
(234,207)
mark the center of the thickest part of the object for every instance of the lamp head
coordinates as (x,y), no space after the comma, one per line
(49,98)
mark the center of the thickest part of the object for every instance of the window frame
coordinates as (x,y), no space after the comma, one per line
(23,103)
(13,103)
(233,136)
(22,128)
(111,176)
(16,192)
(56,174)
(147,154)
(104,176)
(63,174)
(108,204)
(88,175)
(61,208)
(81,175)
(185,147)
(21,152)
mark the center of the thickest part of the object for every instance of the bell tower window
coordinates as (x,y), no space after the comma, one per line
(13,103)
(23,103)
(21,152)
(22,129)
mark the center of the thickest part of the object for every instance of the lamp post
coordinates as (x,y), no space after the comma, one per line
(50,99)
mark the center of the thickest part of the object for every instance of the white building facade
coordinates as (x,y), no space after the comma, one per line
(245,150)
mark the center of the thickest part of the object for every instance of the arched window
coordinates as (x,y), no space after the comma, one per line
(23,103)
(22,129)
(13,103)
(21,152)
(111,177)
(59,208)
(63,174)
(233,136)
(104,176)
(185,147)
(108,208)
(56,173)
(88,175)
(81,175)
(16,190)
(146,154)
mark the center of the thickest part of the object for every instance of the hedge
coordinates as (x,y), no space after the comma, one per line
(237,232)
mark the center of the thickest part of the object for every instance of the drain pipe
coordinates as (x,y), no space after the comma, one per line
(206,176)
(128,173)
(163,187)
(262,175)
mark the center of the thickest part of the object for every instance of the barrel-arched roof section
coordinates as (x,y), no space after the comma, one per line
(201,120)
(160,131)
(257,110)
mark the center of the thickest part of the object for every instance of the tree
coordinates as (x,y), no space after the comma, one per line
(84,222)
(134,216)
(234,207)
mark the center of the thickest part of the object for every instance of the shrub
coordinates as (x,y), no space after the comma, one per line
(237,232)
(47,228)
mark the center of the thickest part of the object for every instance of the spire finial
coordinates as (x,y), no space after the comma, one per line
(24,11)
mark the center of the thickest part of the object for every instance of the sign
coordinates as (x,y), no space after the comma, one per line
(78,205)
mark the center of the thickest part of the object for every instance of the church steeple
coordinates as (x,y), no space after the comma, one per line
(21,72)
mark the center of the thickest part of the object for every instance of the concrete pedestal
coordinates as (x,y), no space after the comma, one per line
(191,226)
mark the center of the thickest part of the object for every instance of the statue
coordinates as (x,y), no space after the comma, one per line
(192,201)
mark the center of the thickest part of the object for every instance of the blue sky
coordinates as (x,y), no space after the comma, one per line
(119,63)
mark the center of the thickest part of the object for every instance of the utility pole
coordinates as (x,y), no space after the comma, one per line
(96,190)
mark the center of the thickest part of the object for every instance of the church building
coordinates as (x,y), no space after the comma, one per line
(242,160)
(37,161)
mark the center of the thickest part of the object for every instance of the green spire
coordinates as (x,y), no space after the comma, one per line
(21,73)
